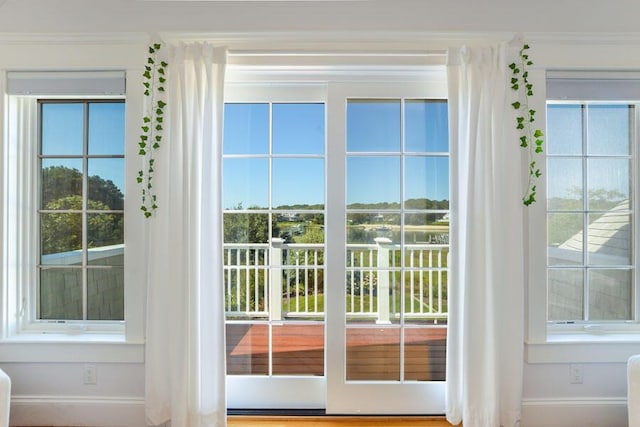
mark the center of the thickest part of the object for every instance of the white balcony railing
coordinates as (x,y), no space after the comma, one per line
(286,280)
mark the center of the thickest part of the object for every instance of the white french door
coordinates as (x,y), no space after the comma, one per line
(386,326)
(336,253)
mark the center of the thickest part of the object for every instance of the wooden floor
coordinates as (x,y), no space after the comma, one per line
(372,353)
(242,421)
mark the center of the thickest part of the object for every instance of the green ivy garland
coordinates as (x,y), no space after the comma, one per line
(530,138)
(152,126)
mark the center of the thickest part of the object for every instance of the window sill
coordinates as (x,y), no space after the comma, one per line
(584,348)
(66,348)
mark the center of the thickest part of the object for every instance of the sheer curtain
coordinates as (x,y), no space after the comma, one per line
(486,317)
(185,343)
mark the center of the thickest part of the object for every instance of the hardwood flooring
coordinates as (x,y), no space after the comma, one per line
(329,421)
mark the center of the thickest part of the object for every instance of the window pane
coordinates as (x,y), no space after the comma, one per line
(105,239)
(246,228)
(61,238)
(565,239)
(61,293)
(566,294)
(426,228)
(373,180)
(308,353)
(298,183)
(564,129)
(609,129)
(425,353)
(62,129)
(426,178)
(247,349)
(246,129)
(296,227)
(426,126)
(106,128)
(366,227)
(564,183)
(298,128)
(609,183)
(106,184)
(246,183)
(373,126)
(61,184)
(373,354)
(609,240)
(105,293)
(610,294)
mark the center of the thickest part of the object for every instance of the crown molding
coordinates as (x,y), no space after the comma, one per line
(591,38)
(72,38)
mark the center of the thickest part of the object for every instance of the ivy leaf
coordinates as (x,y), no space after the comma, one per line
(146,84)
(148,68)
(514,80)
(156,46)
(515,87)
(520,126)
(162,104)
(539,142)
(151,50)
(147,214)
(538,150)
(142,152)
(145,128)
(159,111)
(523,142)
(162,79)
(525,47)
(512,65)
(516,105)
(160,89)
(538,133)
(146,119)
(139,180)
(156,146)
(158,127)
(529,62)
(538,174)
(150,61)
(146,74)
(520,120)
(143,137)
(160,70)
(164,64)
(159,119)
(158,138)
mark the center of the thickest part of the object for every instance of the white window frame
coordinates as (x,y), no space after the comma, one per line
(591,341)
(21,330)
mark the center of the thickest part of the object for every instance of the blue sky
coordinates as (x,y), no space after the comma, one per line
(62,135)
(374,138)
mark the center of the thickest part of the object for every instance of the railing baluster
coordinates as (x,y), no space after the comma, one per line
(440,282)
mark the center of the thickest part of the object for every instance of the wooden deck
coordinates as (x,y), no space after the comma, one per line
(373,353)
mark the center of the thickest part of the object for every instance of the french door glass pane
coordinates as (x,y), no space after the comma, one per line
(426,126)
(246,129)
(298,129)
(373,180)
(245,183)
(298,183)
(373,125)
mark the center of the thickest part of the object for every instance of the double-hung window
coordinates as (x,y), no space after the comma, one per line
(65,187)
(592,140)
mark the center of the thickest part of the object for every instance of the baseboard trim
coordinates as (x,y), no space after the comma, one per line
(610,412)
(103,411)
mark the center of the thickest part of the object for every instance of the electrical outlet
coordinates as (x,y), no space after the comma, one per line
(90,374)
(576,374)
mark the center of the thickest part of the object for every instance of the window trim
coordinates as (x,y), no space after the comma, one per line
(23,341)
(552,343)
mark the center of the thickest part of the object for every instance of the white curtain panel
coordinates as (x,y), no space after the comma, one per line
(185,343)
(486,308)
